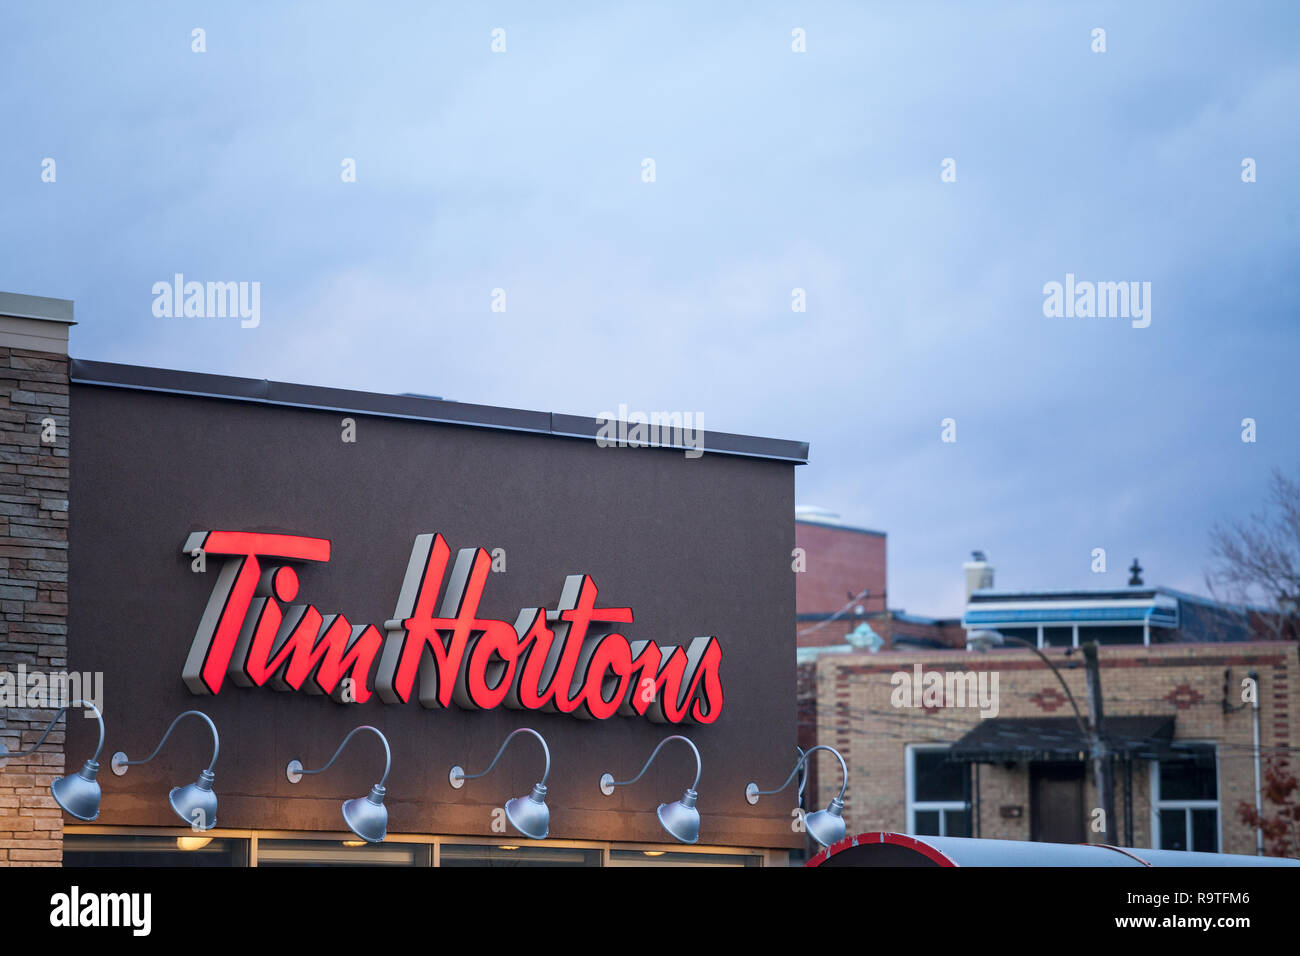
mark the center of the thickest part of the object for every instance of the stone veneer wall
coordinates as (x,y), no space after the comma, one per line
(33,574)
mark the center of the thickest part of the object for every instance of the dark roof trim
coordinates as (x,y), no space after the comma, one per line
(1218,605)
(1018,739)
(1117,594)
(265,392)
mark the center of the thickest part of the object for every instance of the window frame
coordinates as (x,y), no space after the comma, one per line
(913,805)
(1158,804)
(748,856)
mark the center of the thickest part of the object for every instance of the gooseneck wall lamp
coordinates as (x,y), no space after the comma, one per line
(825,826)
(366,816)
(529,815)
(803,780)
(681,819)
(196,804)
(77,794)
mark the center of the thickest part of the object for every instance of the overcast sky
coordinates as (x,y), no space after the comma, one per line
(774,170)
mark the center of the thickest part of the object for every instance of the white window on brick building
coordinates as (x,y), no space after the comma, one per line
(938,792)
(1185,800)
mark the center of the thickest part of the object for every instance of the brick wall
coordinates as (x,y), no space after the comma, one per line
(854,713)
(840,562)
(33,580)
(889,626)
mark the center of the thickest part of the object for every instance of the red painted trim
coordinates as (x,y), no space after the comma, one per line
(881,836)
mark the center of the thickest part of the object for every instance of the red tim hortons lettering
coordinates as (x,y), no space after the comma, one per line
(297,650)
(566,660)
(414,627)
(223,619)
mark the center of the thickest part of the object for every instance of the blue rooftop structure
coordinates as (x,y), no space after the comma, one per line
(1132,615)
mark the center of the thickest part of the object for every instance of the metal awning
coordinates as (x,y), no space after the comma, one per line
(1019,739)
(1156,615)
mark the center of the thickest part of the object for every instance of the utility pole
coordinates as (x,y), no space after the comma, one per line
(1089,730)
(1101,763)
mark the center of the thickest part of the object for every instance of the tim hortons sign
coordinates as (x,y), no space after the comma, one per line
(568,659)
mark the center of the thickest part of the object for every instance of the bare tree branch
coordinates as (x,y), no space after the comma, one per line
(1258,561)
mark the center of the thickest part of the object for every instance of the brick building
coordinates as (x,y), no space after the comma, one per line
(1174,713)
(952,742)
(841,595)
(842,578)
(842,606)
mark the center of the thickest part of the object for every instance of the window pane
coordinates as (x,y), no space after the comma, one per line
(463,854)
(668,858)
(1058,636)
(936,777)
(87,849)
(957,823)
(1190,777)
(1029,634)
(339,853)
(927,823)
(1173,829)
(1205,831)
(1123,634)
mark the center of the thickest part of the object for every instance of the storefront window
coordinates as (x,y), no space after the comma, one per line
(341,853)
(669,858)
(175,849)
(87,849)
(470,854)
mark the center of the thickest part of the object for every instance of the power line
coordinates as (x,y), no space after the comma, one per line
(862,595)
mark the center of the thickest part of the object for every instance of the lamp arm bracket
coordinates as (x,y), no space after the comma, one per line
(216,740)
(522,730)
(50,727)
(698,765)
(388,754)
(802,762)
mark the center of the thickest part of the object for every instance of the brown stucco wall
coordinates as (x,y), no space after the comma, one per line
(694,546)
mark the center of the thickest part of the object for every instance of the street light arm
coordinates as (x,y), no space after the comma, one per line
(1083,726)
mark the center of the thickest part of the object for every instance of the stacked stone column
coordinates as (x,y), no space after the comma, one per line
(34,436)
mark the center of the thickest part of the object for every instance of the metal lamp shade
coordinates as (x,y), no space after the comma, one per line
(367,816)
(681,819)
(78,794)
(196,804)
(827,826)
(530,815)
